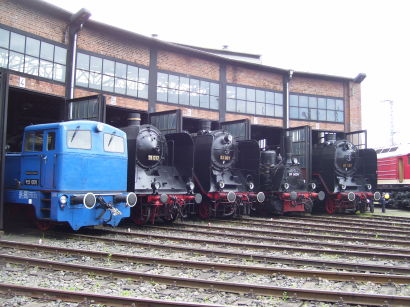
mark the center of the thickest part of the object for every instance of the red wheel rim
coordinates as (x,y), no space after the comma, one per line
(203,211)
(330,206)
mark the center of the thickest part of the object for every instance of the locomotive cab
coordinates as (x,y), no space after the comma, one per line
(63,170)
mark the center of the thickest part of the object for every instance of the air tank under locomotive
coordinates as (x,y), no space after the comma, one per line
(347,174)
(226,173)
(159,172)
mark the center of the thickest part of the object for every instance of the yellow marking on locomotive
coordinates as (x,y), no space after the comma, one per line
(224,158)
(153,158)
(347,165)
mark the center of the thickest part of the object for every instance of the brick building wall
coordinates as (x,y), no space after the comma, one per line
(189,112)
(250,77)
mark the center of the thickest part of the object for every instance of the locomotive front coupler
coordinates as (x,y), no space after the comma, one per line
(108,206)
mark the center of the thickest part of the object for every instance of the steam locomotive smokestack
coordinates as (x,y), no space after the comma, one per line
(205,125)
(134,119)
(288,149)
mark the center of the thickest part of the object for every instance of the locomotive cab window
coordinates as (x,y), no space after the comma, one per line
(51,141)
(79,139)
(33,141)
(113,143)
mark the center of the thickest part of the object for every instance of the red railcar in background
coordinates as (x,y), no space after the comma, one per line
(393,172)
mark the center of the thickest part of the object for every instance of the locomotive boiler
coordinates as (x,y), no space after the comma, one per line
(285,184)
(160,172)
(226,173)
(347,175)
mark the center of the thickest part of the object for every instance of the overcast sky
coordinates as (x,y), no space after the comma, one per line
(337,37)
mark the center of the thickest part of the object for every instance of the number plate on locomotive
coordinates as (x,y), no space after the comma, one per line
(347,165)
(153,158)
(31,182)
(224,158)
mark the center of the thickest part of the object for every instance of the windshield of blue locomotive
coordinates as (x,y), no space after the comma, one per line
(223,149)
(346,157)
(150,147)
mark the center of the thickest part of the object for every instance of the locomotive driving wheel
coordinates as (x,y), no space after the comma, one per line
(203,210)
(141,216)
(330,205)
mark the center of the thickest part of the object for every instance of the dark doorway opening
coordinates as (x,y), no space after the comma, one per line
(193,125)
(117,117)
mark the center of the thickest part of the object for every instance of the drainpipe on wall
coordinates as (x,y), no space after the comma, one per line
(77,21)
(286,80)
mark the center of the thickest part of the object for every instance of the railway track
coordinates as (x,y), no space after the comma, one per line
(297,294)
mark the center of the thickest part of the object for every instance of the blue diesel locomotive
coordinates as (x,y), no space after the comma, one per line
(71,172)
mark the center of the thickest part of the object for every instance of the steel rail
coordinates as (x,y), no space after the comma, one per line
(384,219)
(317,229)
(298,241)
(335,225)
(202,265)
(302,294)
(294,234)
(280,259)
(92,298)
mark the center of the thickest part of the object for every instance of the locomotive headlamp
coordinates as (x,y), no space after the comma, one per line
(63,201)
(312,185)
(155,185)
(100,127)
(343,186)
(377,196)
(295,160)
(190,186)
(221,184)
(251,185)
(368,186)
(286,186)
(228,138)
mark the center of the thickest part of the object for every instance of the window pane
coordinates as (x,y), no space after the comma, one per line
(250,94)
(143,75)
(108,67)
(270,110)
(278,111)
(250,107)
(303,101)
(4,38)
(120,70)
(204,101)
(312,102)
(120,85)
(108,84)
(17,42)
(194,99)
(31,65)
(51,141)
(173,82)
(162,94)
(33,47)
(339,105)
(214,102)
(260,96)
(279,98)
(80,139)
(4,58)
(321,114)
(113,143)
(82,77)
(260,107)
(95,80)
(194,85)
(162,79)
(331,116)
(83,61)
(293,100)
(96,64)
(132,88)
(231,105)
(270,97)
(132,73)
(215,89)
(46,69)
(331,104)
(230,92)
(16,61)
(321,103)
(47,51)
(172,96)
(204,87)
(241,106)
(294,113)
(143,90)
(184,84)
(313,114)
(303,113)
(60,55)
(339,117)
(59,72)
(241,93)
(183,97)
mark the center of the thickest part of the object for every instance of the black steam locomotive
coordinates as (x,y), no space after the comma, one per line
(285,185)
(347,175)
(159,172)
(226,173)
